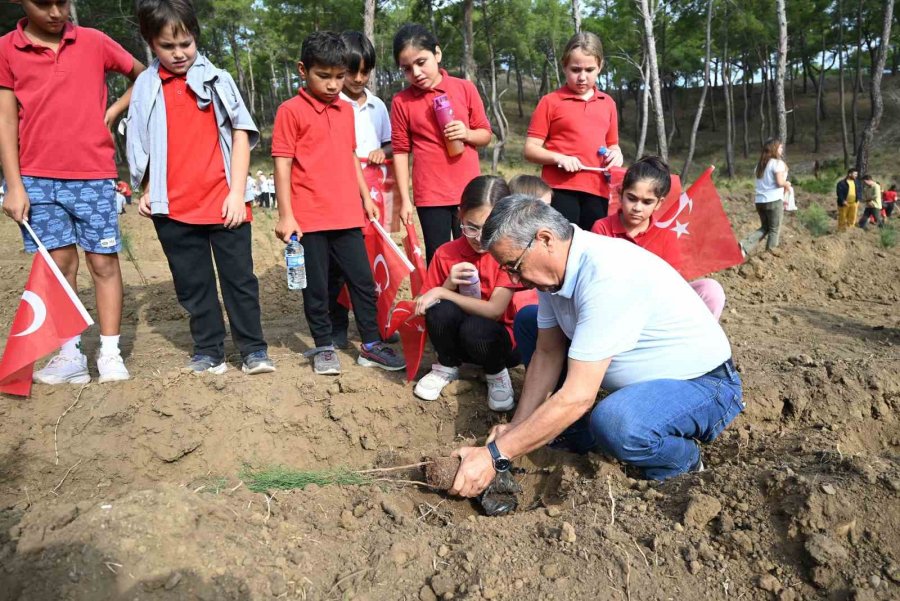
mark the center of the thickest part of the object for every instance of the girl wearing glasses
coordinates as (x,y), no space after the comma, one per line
(470,329)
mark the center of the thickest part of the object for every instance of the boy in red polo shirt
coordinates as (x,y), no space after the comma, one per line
(189,140)
(319,184)
(57,152)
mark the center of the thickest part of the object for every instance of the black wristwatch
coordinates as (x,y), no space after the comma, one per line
(501,462)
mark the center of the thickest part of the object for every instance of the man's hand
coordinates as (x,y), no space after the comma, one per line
(497,431)
(285,227)
(16,204)
(476,471)
(234,210)
(376,157)
(456,130)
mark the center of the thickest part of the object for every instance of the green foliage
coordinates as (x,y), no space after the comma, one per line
(824,185)
(887,236)
(283,478)
(815,220)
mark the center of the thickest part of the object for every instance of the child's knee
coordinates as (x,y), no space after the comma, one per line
(104,266)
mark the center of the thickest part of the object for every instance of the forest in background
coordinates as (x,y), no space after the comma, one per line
(673,67)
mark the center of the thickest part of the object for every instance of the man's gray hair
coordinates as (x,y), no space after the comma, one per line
(518,218)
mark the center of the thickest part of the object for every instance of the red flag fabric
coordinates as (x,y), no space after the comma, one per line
(412,334)
(703,234)
(49,314)
(389,268)
(380,180)
(416,257)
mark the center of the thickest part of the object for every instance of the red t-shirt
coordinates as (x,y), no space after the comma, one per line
(321,140)
(576,127)
(489,274)
(665,247)
(889,196)
(123,188)
(62,101)
(195,169)
(438,178)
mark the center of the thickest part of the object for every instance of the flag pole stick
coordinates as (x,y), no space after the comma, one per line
(59,275)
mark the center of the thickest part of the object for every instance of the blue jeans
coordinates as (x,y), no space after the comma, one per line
(654,425)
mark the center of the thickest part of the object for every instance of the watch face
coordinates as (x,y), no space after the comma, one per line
(502,464)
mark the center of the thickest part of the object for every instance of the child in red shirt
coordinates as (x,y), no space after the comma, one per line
(438,178)
(471,325)
(323,200)
(57,156)
(567,131)
(889,198)
(644,189)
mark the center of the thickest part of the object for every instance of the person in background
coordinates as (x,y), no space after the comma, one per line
(124,189)
(889,199)
(263,188)
(771,184)
(846,191)
(871,196)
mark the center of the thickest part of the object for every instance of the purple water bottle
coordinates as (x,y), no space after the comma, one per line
(444,113)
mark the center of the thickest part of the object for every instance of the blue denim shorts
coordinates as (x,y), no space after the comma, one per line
(73,211)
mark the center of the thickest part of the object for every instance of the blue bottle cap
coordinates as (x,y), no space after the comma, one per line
(603,151)
(294,238)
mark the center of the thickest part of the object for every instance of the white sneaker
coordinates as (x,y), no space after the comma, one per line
(63,369)
(500,391)
(112,368)
(429,388)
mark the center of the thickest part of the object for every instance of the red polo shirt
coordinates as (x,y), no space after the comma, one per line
(489,272)
(321,140)
(62,101)
(576,127)
(438,179)
(195,170)
(664,246)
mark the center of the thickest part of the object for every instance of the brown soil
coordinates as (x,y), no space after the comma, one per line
(143,499)
(441,472)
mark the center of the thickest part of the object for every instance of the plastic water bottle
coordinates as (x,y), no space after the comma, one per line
(603,151)
(444,113)
(296,264)
(473,288)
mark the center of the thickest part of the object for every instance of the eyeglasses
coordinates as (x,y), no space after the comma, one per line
(516,268)
(471,231)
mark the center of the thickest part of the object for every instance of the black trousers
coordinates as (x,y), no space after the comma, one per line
(347,251)
(872,213)
(580,208)
(462,338)
(439,226)
(191,251)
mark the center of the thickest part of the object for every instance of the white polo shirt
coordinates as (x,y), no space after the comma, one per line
(621,301)
(372,122)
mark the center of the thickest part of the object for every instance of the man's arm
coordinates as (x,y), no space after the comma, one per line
(542,373)
(15,203)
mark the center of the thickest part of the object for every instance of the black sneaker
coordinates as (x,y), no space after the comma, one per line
(380,355)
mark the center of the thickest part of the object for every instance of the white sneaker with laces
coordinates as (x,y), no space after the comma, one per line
(500,391)
(429,388)
(64,369)
(112,368)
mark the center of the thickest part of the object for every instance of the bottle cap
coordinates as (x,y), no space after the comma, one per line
(294,238)
(603,151)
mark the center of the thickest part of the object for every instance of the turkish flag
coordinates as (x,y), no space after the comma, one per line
(381,182)
(699,228)
(412,334)
(389,268)
(49,314)
(415,256)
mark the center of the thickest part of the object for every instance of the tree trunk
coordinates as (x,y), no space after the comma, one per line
(520,90)
(762,107)
(670,92)
(288,82)
(468,42)
(252,103)
(545,80)
(840,8)
(820,99)
(779,76)
(369,32)
(576,15)
(692,144)
(792,132)
(236,53)
(857,76)
(73,11)
(862,153)
(500,122)
(654,79)
(712,95)
(729,103)
(748,92)
(645,108)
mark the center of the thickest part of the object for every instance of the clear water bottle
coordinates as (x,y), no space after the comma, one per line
(296,264)
(473,288)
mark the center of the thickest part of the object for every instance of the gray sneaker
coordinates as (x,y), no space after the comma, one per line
(258,363)
(326,363)
(206,364)
(381,355)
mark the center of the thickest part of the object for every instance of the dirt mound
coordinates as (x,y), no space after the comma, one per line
(134,490)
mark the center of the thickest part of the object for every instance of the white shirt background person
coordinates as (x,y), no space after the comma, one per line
(372,122)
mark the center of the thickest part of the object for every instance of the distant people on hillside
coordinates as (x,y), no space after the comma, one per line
(771,186)
(871,196)
(262,185)
(846,199)
(888,199)
(124,189)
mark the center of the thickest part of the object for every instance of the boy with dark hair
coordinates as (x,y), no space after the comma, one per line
(847,195)
(189,141)
(57,155)
(373,145)
(871,195)
(319,184)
